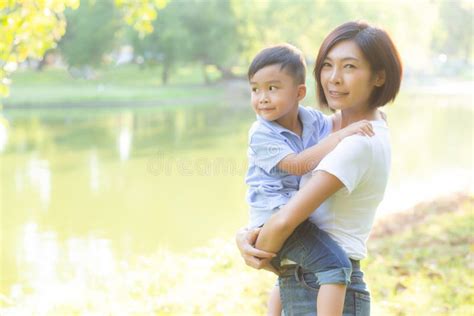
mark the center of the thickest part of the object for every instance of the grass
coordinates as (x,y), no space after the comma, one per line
(420,264)
(117,85)
(421,261)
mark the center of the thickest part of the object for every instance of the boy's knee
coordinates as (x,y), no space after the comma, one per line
(340,275)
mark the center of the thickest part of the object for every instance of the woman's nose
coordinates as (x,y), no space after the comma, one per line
(335,76)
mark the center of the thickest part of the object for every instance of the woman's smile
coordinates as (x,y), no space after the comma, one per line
(337,94)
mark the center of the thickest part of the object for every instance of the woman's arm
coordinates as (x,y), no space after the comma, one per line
(253,257)
(282,224)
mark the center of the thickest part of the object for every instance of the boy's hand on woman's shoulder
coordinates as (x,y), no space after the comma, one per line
(362,127)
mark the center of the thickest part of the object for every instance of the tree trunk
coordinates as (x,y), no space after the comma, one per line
(207,80)
(165,73)
(43,61)
(226,73)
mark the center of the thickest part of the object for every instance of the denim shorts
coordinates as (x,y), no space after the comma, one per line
(299,290)
(315,251)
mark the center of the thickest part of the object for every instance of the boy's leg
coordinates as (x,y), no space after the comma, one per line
(330,300)
(274,302)
(298,289)
(314,250)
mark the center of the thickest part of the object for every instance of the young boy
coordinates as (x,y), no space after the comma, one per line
(286,142)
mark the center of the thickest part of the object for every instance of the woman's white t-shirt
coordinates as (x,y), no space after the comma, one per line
(362,164)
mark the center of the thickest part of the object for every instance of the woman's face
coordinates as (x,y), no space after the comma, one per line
(347,78)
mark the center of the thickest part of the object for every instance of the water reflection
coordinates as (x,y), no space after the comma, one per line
(48,263)
(39,176)
(39,256)
(94,171)
(124,141)
(3,133)
(91,256)
(180,124)
(19,180)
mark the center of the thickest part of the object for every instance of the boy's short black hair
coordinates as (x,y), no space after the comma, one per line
(289,57)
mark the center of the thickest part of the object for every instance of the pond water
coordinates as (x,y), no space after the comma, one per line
(124,182)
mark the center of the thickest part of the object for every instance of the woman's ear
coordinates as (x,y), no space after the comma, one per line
(380,78)
(301,92)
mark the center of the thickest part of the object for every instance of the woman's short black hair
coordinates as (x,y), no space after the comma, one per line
(289,57)
(378,49)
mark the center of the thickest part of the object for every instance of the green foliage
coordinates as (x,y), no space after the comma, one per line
(222,36)
(454,31)
(199,32)
(90,33)
(28,29)
(141,14)
(212,26)
(167,44)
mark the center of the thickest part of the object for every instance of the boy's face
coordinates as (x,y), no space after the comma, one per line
(275,95)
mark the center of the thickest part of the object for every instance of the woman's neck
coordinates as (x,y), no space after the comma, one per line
(349,116)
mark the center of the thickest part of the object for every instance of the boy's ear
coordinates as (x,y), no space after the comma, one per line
(301,92)
(380,78)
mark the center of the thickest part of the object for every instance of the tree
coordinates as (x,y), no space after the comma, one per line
(213,39)
(167,44)
(28,29)
(454,30)
(90,33)
(141,14)
(193,31)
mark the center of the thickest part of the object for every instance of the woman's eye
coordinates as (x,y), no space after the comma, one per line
(254,89)
(272,88)
(326,64)
(349,66)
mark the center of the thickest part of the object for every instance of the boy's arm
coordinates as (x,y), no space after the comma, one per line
(282,224)
(305,161)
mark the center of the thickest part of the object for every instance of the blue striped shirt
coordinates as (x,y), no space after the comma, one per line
(268,187)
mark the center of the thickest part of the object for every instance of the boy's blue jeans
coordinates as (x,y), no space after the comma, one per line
(315,251)
(299,289)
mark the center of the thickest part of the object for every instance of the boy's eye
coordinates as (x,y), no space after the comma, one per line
(272,88)
(254,89)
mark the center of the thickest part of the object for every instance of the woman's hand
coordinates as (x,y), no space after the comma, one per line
(253,257)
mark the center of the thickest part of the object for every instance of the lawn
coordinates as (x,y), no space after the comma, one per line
(122,85)
(421,261)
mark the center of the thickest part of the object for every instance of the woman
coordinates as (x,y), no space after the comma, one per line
(357,70)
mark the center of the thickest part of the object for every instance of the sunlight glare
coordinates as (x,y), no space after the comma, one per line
(39,175)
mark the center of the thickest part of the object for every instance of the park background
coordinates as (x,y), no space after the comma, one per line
(123,131)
